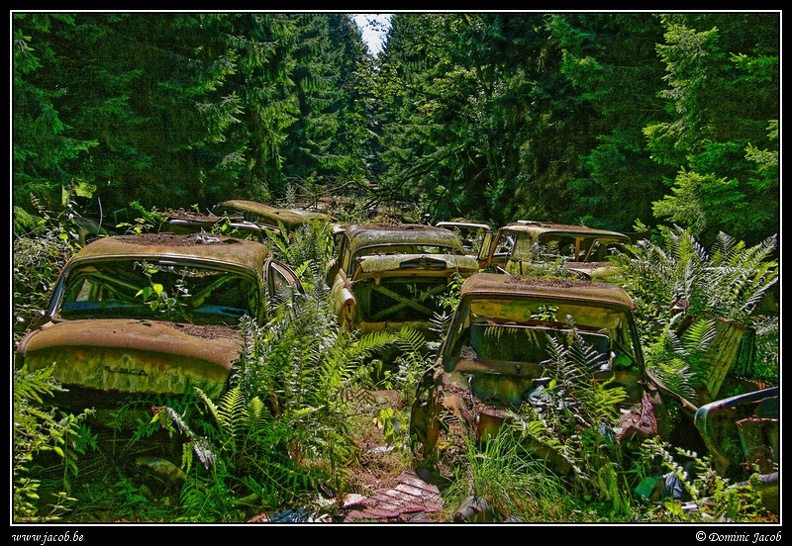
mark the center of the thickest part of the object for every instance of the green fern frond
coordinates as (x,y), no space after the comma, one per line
(605,400)
(372,341)
(257,412)
(668,359)
(231,415)
(213,410)
(697,338)
(35,385)
(411,340)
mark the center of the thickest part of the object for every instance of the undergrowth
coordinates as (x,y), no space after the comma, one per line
(285,434)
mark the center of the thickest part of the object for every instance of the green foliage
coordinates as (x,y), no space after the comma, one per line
(393,426)
(414,358)
(147,220)
(307,251)
(39,429)
(691,304)
(46,149)
(708,496)
(723,186)
(573,416)
(282,428)
(729,281)
(38,259)
(671,360)
(695,197)
(516,487)
(158,299)
(768,357)
(611,63)
(236,104)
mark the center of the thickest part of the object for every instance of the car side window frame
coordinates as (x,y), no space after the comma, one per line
(275,271)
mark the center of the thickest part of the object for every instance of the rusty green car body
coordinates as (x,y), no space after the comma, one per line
(186,221)
(136,316)
(493,358)
(472,234)
(517,246)
(743,431)
(241,218)
(387,276)
(267,215)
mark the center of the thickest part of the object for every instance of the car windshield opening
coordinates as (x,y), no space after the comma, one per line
(158,291)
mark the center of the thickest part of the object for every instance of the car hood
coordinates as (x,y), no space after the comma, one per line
(129,355)
(395,262)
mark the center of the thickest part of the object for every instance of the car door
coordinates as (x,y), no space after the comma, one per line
(495,254)
(340,245)
(282,283)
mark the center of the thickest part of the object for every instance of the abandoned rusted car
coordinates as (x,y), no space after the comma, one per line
(187,221)
(133,317)
(495,358)
(472,234)
(518,246)
(743,436)
(268,216)
(386,276)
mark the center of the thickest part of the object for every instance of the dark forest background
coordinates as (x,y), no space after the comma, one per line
(617,120)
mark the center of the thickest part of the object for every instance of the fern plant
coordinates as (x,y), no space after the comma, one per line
(282,429)
(728,281)
(40,429)
(40,249)
(679,362)
(680,288)
(569,420)
(146,222)
(706,496)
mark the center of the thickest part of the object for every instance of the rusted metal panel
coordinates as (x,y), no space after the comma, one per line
(249,255)
(412,495)
(742,430)
(394,262)
(573,290)
(535,227)
(376,234)
(290,218)
(135,355)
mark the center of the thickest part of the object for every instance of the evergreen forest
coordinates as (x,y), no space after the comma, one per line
(607,119)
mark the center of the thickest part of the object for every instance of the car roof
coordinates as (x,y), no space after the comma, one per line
(289,217)
(184,221)
(571,290)
(531,226)
(361,235)
(200,246)
(463,224)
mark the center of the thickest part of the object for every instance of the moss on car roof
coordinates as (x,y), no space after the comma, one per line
(363,235)
(546,287)
(193,245)
(530,226)
(291,218)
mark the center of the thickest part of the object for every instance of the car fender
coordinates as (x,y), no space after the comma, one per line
(343,300)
